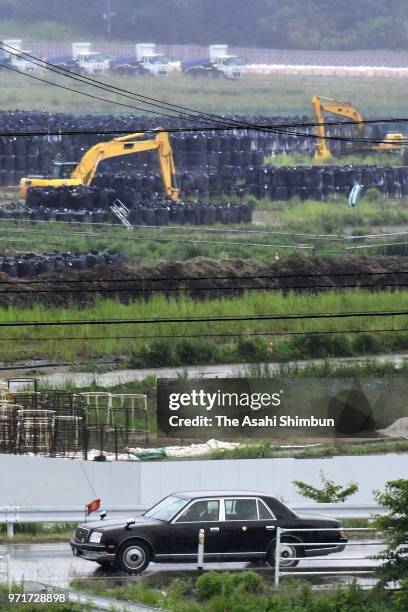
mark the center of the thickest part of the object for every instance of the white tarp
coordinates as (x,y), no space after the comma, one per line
(399,429)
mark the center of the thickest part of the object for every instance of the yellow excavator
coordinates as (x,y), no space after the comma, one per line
(391,143)
(82,173)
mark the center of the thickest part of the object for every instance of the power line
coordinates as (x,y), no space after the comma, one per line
(225,244)
(142,290)
(142,279)
(205,335)
(255,127)
(153,239)
(278,128)
(111,88)
(82,93)
(232,123)
(208,319)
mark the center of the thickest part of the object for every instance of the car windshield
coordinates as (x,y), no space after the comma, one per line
(164,510)
(93,57)
(234,61)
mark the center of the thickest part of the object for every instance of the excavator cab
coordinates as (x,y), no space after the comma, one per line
(62,170)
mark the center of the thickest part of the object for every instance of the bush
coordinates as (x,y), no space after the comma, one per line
(155,354)
(395,524)
(249,582)
(367,343)
(212,584)
(209,585)
(372,195)
(195,351)
(328,493)
(399,341)
(252,349)
(322,345)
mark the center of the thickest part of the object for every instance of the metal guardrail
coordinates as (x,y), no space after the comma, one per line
(6,571)
(280,560)
(340,511)
(11,515)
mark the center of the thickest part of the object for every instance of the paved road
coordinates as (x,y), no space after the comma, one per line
(55,564)
(60,375)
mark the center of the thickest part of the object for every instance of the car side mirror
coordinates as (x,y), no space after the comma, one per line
(129,522)
(102,515)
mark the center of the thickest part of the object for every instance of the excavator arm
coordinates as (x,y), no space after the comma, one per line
(322,105)
(392,142)
(84,172)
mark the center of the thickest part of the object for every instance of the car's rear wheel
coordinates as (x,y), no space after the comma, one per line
(107,565)
(288,554)
(133,557)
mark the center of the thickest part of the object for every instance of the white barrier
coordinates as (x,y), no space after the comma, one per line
(11,515)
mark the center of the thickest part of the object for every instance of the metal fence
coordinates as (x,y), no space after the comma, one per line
(64,424)
(282,560)
(251,55)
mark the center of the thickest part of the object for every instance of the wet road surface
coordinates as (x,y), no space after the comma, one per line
(54,564)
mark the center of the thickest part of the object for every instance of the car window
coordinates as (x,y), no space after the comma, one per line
(241,510)
(264,512)
(202,510)
(166,508)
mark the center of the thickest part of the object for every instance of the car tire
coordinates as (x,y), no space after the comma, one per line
(287,553)
(133,557)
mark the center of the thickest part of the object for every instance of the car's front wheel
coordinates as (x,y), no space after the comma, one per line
(133,557)
(288,554)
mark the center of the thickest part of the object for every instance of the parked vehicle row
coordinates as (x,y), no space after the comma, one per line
(144,60)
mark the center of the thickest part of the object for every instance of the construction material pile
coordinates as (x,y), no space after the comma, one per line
(215,150)
(30,264)
(152,213)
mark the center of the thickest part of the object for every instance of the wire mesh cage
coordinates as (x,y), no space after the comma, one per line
(64,424)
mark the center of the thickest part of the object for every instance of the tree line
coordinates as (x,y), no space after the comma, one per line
(289,24)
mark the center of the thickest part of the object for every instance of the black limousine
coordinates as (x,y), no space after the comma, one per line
(238,526)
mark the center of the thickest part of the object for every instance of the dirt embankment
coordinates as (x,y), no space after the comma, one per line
(204,278)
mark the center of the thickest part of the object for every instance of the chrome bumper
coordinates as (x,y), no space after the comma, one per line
(90,552)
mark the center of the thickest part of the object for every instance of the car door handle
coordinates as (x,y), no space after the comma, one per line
(269,527)
(214,528)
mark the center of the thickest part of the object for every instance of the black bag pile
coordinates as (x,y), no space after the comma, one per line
(320,182)
(92,205)
(30,264)
(20,156)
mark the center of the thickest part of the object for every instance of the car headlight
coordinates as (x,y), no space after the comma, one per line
(95,537)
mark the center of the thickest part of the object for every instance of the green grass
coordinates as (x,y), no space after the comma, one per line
(162,344)
(251,95)
(37,532)
(335,217)
(299,159)
(325,450)
(373,214)
(247,591)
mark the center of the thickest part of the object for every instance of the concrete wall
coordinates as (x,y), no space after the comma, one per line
(36,481)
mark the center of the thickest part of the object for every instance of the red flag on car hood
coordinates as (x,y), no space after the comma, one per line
(93,506)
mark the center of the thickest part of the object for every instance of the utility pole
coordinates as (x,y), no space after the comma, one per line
(108,17)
